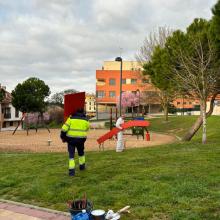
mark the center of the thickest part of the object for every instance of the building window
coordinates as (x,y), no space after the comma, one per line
(123,81)
(100,82)
(100,94)
(145,81)
(217,102)
(7,113)
(111,94)
(133,81)
(11,123)
(112,82)
(178,103)
(196,107)
(16,113)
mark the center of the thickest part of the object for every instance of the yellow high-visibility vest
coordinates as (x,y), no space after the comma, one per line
(76,128)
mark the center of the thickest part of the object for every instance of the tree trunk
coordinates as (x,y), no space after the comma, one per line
(192,131)
(166,112)
(132,112)
(27,124)
(204,122)
(188,136)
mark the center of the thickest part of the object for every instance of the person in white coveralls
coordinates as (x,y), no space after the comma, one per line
(120,141)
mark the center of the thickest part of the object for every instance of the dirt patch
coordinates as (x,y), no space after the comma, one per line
(38,142)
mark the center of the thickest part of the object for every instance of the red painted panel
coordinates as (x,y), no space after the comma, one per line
(114,131)
(72,102)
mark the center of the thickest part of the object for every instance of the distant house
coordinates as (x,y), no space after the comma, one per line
(9,116)
(90,104)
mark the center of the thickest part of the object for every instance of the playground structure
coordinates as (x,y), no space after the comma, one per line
(71,103)
(126,125)
(35,118)
(41,142)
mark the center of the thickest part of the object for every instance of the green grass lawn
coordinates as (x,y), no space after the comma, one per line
(177,181)
(180,124)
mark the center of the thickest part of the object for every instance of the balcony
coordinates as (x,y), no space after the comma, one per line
(106,99)
(7,115)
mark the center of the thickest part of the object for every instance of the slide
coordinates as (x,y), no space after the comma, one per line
(128,124)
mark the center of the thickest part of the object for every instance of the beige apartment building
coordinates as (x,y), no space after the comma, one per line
(90,105)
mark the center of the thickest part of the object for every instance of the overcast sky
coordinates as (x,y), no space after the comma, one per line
(64,42)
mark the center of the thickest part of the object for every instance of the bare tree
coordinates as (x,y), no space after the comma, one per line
(199,75)
(154,39)
(148,98)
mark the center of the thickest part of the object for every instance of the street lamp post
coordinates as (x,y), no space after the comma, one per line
(119,59)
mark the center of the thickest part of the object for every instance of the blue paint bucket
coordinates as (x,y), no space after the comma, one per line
(80,216)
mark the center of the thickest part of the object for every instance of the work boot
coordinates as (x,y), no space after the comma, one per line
(71,172)
(82,166)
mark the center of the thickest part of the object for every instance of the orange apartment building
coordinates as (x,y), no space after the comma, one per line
(108,84)
(186,106)
(108,88)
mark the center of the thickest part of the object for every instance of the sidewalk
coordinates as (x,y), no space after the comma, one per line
(18,211)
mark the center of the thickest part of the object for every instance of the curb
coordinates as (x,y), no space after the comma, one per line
(35,207)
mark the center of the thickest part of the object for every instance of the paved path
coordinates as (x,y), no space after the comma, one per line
(19,211)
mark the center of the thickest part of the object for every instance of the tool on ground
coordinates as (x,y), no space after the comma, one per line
(111,215)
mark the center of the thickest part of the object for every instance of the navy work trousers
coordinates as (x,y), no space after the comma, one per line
(77,143)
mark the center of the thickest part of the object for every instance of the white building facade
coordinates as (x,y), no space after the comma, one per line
(9,116)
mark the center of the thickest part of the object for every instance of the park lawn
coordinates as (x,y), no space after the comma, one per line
(177,181)
(178,125)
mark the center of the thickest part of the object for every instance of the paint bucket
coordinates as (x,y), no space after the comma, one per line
(74,211)
(98,214)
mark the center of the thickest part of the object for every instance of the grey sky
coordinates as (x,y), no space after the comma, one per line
(63,42)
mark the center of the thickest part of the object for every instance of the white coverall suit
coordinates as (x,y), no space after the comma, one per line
(120,141)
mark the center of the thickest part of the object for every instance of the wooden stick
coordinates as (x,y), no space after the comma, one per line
(123,209)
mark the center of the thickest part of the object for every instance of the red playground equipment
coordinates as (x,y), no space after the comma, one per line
(129,124)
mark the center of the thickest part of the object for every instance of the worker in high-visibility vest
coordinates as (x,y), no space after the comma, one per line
(74,132)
